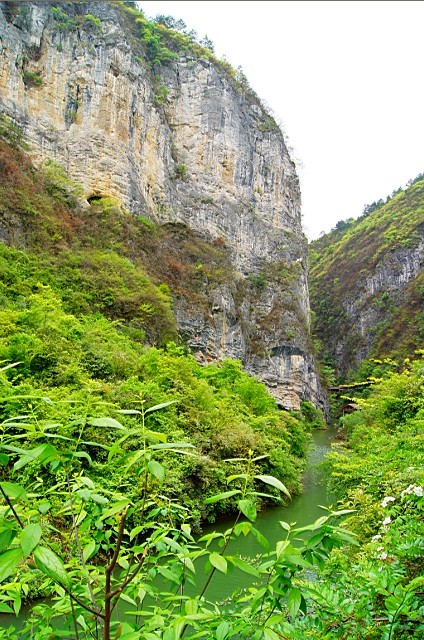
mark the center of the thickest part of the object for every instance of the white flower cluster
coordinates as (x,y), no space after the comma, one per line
(386,501)
(413,490)
(382,556)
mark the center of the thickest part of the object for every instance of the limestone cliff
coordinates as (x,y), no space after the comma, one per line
(367,283)
(179,142)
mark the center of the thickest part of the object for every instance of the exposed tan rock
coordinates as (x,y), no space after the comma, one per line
(207,156)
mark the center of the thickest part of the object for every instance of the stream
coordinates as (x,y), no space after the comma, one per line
(302,510)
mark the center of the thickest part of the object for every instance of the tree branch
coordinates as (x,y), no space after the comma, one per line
(6,497)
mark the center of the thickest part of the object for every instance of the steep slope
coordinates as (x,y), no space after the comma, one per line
(137,112)
(366,282)
(80,305)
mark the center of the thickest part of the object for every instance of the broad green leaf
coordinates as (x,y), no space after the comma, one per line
(84,494)
(129,412)
(12,418)
(88,550)
(123,596)
(4,459)
(191,607)
(241,476)
(219,562)
(248,509)
(342,512)
(82,454)
(260,538)
(90,443)
(293,601)
(20,397)
(117,446)
(159,406)
(8,562)
(138,455)
(156,470)
(269,634)
(221,496)
(44,453)
(209,537)
(25,425)
(320,521)
(275,619)
(188,563)
(242,528)
(99,499)
(106,422)
(14,491)
(58,437)
(9,366)
(167,573)
(4,608)
(157,435)
(6,538)
(134,532)
(298,560)
(87,482)
(274,482)
(17,603)
(222,631)
(339,535)
(309,527)
(51,565)
(280,547)
(44,506)
(80,517)
(243,566)
(30,537)
(284,525)
(171,445)
(266,495)
(415,583)
(9,447)
(118,507)
(313,541)
(172,544)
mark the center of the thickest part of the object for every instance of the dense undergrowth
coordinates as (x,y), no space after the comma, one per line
(73,526)
(86,299)
(88,329)
(116,444)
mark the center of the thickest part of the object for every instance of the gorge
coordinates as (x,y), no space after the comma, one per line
(181,140)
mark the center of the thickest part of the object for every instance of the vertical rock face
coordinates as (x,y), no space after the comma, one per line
(367,283)
(371,310)
(187,146)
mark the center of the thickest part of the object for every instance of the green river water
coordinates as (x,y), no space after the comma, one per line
(302,510)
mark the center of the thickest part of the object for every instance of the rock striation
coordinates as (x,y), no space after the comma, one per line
(182,143)
(367,283)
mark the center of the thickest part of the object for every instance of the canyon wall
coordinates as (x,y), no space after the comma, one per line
(183,142)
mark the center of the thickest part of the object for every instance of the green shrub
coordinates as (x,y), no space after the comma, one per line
(32,78)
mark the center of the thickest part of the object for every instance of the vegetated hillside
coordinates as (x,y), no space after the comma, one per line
(86,310)
(366,283)
(143,116)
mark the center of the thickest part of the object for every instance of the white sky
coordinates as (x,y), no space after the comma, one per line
(343,78)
